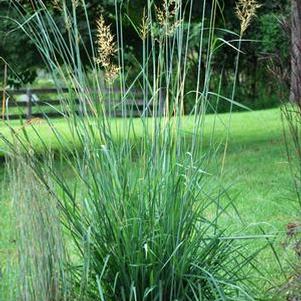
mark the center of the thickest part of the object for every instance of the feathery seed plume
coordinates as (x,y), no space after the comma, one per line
(167,16)
(57,4)
(245,11)
(106,49)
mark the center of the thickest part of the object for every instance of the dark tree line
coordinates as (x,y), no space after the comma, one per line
(256,85)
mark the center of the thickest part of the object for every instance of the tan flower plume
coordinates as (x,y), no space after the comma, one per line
(245,12)
(106,49)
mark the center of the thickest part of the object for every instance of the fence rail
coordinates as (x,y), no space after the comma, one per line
(33,104)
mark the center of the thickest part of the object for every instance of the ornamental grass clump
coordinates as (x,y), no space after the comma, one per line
(41,273)
(137,199)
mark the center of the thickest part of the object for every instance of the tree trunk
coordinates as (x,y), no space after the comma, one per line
(254,77)
(296,53)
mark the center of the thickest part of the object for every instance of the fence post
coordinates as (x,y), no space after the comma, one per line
(4,96)
(29,104)
(162,109)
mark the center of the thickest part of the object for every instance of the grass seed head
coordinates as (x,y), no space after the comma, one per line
(105,43)
(75,3)
(245,12)
(144,27)
(106,49)
(167,16)
(57,4)
(111,73)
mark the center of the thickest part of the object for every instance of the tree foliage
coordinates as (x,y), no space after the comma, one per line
(264,39)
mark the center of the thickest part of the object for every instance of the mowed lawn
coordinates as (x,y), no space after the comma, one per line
(256,166)
(256,170)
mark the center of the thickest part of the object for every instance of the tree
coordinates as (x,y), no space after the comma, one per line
(296,52)
(255,86)
(20,52)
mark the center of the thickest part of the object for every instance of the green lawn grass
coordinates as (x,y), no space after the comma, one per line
(256,171)
(246,128)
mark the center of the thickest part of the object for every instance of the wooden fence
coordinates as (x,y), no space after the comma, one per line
(40,103)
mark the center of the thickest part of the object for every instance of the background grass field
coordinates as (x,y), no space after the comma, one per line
(256,173)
